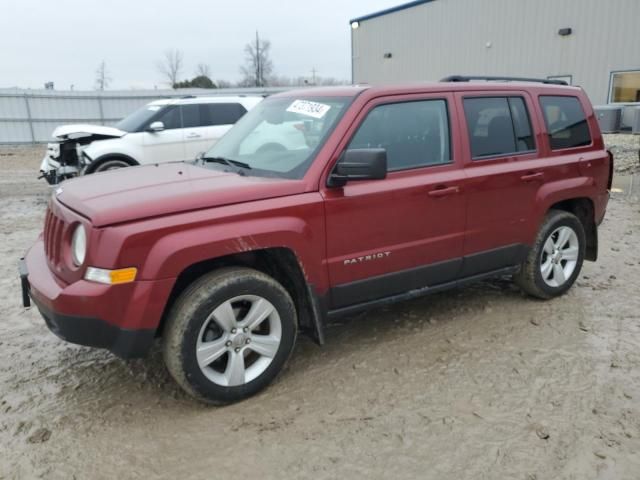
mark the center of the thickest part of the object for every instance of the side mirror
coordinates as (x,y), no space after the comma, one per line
(359,164)
(156,127)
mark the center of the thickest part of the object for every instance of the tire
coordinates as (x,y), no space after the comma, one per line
(243,324)
(555,261)
(110,164)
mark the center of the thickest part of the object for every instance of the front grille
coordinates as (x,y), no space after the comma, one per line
(53,232)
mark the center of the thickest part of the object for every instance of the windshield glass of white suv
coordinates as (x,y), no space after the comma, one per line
(135,121)
(280,136)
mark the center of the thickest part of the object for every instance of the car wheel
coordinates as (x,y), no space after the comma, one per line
(229,335)
(110,165)
(554,262)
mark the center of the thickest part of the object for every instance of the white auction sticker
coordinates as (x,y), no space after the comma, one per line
(311,109)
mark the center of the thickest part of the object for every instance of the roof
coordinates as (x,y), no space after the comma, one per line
(408,88)
(387,11)
(246,100)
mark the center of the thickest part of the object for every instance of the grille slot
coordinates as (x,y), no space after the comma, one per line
(53,232)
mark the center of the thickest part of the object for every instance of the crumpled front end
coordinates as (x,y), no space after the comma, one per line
(65,157)
(62,160)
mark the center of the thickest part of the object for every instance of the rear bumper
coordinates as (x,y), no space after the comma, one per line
(121,318)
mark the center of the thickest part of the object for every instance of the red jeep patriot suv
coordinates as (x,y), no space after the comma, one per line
(320,203)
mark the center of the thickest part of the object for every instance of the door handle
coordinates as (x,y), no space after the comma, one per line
(193,135)
(531,177)
(444,191)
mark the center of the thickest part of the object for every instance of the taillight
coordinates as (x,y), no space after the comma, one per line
(610,181)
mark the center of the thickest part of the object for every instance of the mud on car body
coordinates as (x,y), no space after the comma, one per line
(320,203)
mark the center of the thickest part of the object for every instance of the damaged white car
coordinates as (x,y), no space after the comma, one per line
(162,131)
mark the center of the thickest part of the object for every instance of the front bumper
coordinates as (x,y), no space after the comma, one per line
(53,171)
(121,318)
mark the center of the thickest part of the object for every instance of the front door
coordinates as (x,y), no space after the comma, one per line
(386,237)
(168,144)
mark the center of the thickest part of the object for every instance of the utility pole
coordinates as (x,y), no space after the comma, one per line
(313,76)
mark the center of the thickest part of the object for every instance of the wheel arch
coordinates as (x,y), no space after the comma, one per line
(583,208)
(282,264)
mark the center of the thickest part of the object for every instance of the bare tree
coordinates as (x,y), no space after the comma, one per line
(171,65)
(102,77)
(223,83)
(331,81)
(282,81)
(258,66)
(203,70)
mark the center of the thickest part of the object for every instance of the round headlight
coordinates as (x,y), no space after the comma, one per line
(79,245)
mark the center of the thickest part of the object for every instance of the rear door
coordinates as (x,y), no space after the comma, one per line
(505,168)
(386,237)
(168,144)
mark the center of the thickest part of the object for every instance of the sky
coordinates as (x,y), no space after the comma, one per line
(64,41)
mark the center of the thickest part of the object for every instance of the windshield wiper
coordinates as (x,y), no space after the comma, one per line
(227,161)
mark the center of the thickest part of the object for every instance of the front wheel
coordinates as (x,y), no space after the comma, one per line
(554,262)
(112,164)
(229,335)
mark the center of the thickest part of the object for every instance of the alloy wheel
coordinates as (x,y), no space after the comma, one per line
(559,256)
(239,340)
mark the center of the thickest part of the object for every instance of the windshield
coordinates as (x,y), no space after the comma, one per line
(280,136)
(135,121)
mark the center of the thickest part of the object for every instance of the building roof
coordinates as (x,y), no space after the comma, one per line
(390,10)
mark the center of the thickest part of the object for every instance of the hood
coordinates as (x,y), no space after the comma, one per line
(80,130)
(136,193)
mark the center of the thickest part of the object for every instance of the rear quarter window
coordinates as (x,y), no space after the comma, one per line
(566,122)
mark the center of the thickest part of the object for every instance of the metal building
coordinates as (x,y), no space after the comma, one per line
(591,43)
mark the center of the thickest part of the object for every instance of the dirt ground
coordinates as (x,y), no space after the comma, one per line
(479,383)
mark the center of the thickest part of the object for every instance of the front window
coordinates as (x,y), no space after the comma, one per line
(414,134)
(135,121)
(280,136)
(625,87)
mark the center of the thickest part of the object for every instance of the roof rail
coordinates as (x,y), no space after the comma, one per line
(468,78)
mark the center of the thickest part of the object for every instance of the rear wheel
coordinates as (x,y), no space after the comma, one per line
(229,335)
(555,261)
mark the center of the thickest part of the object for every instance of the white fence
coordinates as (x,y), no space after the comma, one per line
(30,116)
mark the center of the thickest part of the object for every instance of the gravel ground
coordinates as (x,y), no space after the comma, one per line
(479,383)
(626,151)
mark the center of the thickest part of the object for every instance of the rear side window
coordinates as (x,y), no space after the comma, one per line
(414,134)
(498,126)
(221,113)
(191,116)
(566,122)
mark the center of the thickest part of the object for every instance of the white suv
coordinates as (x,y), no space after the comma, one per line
(162,131)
